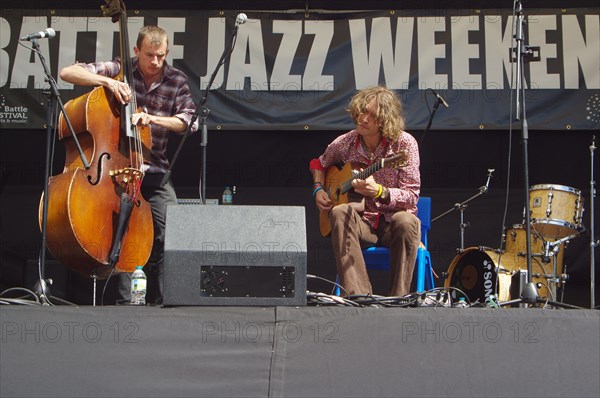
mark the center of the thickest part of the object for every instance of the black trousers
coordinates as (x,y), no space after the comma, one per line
(158,197)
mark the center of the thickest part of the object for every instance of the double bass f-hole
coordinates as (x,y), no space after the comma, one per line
(99,169)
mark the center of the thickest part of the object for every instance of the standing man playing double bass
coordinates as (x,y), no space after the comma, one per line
(163,93)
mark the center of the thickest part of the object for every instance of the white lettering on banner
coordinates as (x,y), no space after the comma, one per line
(172,26)
(462,53)
(281,77)
(497,51)
(541,78)
(580,51)
(249,46)
(396,60)
(216,28)
(4,57)
(27,65)
(247,60)
(452,52)
(68,29)
(12,114)
(429,52)
(313,73)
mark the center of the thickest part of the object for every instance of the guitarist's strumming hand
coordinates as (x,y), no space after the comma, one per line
(323,201)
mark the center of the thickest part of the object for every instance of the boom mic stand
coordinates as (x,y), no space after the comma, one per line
(462,206)
(51,116)
(202,113)
(438,100)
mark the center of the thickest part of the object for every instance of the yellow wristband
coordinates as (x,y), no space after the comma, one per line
(379,192)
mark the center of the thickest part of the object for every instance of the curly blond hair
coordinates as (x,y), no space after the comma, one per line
(390,112)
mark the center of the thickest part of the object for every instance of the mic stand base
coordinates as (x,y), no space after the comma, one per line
(42,290)
(529,296)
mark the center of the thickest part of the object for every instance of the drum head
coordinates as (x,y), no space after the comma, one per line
(474,273)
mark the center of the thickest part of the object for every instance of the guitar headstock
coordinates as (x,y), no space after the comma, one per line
(396,161)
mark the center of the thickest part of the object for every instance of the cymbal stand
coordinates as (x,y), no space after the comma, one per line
(461,208)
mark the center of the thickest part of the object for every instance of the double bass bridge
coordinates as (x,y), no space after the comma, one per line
(127,177)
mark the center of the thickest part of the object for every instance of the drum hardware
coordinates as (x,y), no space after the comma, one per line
(563,281)
(461,207)
(482,272)
(544,252)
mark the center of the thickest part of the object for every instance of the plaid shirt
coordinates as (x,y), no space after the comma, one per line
(403,183)
(168,97)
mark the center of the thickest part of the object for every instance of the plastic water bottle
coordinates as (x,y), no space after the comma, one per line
(461,303)
(227,196)
(138,286)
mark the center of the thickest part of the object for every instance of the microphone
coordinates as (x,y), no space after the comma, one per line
(240,19)
(439,97)
(48,32)
(485,188)
(487,183)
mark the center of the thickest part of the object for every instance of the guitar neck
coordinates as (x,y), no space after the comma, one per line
(372,169)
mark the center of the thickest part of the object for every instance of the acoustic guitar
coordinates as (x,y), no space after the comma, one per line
(338,182)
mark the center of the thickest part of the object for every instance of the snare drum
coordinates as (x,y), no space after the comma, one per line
(556,210)
(477,271)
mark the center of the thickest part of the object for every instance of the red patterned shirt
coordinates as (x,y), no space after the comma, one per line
(403,183)
(168,97)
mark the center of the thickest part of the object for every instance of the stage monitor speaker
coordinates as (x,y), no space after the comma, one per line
(235,255)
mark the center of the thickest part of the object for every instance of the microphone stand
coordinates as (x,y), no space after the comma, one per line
(53,100)
(431,116)
(529,293)
(436,105)
(201,114)
(462,206)
(593,242)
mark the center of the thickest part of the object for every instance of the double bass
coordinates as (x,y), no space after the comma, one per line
(98,222)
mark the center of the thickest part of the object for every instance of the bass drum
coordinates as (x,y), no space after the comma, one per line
(477,271)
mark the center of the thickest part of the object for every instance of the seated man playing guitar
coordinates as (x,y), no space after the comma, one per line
(386,214)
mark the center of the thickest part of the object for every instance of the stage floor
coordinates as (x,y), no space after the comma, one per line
(298,352)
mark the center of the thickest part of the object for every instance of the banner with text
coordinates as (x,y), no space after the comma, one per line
(297,71)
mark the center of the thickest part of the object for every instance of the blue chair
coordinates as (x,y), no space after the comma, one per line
(378,257)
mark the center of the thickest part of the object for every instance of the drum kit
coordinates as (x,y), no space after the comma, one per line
(484,274)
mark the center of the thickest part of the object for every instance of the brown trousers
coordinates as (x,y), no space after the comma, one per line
(349,234)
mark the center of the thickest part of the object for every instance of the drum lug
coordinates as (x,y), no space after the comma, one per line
(549,208)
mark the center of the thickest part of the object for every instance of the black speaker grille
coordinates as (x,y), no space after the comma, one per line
(247,281)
